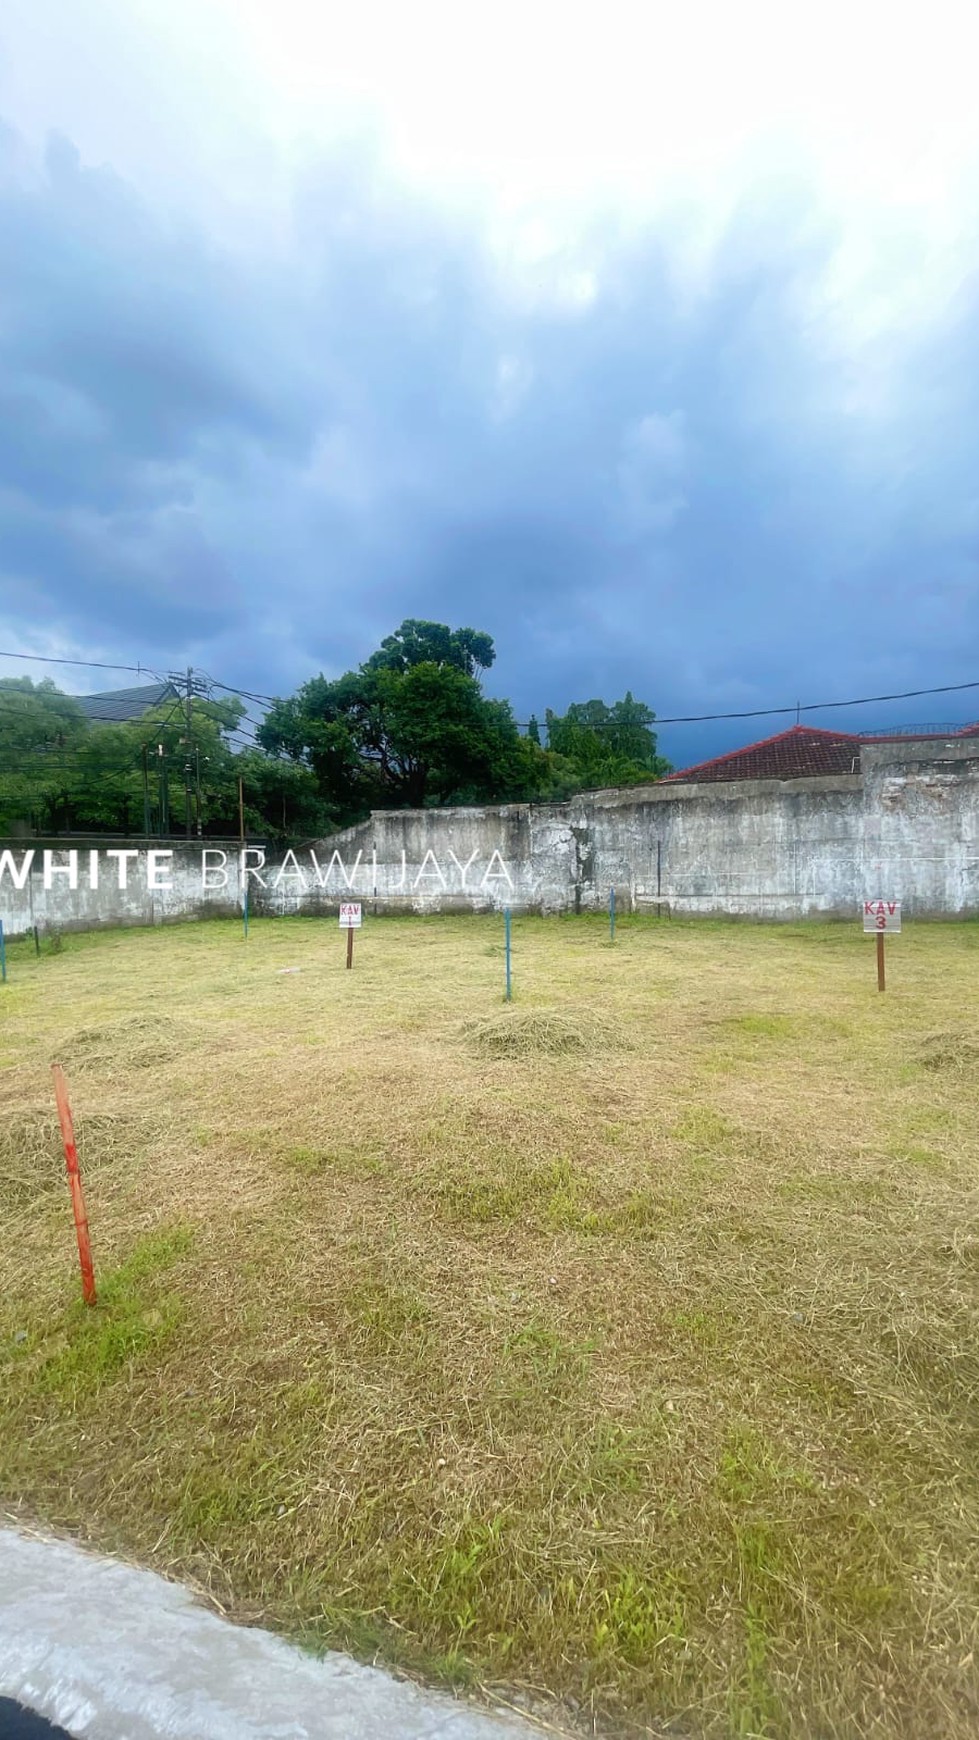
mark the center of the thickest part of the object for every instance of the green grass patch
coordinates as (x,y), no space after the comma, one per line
(620,1346)
(133,1317)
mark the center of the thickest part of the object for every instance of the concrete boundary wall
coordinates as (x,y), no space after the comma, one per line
(906,826)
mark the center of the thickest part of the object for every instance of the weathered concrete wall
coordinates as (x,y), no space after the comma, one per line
(69,885)
(906,826)
(921,823)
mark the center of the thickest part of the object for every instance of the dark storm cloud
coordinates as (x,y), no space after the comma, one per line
(268,460)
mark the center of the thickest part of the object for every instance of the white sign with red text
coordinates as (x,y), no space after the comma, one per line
(882,915)
(350,918)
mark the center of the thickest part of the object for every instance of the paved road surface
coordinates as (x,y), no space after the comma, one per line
(112,1653)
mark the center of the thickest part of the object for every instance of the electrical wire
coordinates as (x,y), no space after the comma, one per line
(754,712)
(245,694)
(703,718)
(73,759)
(89,664)
(797,708)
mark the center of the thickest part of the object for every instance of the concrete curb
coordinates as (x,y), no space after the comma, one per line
(114,1653)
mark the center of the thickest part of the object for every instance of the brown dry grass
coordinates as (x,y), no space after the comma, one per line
(620,1347)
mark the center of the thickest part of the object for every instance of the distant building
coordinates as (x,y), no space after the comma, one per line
(805,752)
(117,706)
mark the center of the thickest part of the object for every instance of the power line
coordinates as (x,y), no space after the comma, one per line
(824,706)
(673,719)
(244,694)
(764,712)
(71,758)
(89,664)
(701,718)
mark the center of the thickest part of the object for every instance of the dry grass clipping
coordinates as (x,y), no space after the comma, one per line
(136,1042)
(541,1033)
(958,1052)
(32,1159)
(643,1376)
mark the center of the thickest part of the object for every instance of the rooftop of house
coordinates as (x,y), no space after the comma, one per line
(805,751)
(793,754)
(117,706)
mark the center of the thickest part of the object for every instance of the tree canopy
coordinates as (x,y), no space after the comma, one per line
(40,730)
(432,643)
(60,771)
(605,745)
(410,727)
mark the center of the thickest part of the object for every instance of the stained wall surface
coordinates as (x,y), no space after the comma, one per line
(905,826)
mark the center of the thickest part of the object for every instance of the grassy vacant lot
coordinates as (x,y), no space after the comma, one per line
(620,1346)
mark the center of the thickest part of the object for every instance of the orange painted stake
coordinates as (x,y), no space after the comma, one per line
(75,1184)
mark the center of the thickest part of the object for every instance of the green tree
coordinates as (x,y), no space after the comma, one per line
(59,770)
(410,727)
(600,745)
(432,643)
(281,799)
(154,764)
(40,730)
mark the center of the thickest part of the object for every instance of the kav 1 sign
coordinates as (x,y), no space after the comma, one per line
(350,918)
(882,915)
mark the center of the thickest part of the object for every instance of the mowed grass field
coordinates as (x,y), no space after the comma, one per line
(616,1351)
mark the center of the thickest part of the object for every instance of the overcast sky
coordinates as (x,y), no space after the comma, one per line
(645,341)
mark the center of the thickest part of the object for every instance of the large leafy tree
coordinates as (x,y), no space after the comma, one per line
(410,727)
(602,745)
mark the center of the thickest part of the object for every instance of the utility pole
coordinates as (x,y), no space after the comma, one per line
(146,794)
(191,687)
(162,783)
(190,691)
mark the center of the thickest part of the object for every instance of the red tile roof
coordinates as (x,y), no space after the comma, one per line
(802,750)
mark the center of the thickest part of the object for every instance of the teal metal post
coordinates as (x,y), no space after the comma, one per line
(506,932)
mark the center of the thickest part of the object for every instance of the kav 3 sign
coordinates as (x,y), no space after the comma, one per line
(881,915)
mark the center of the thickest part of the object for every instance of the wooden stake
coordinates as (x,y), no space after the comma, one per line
(880,961)
(506,944)
(75,1184)
(350,945)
